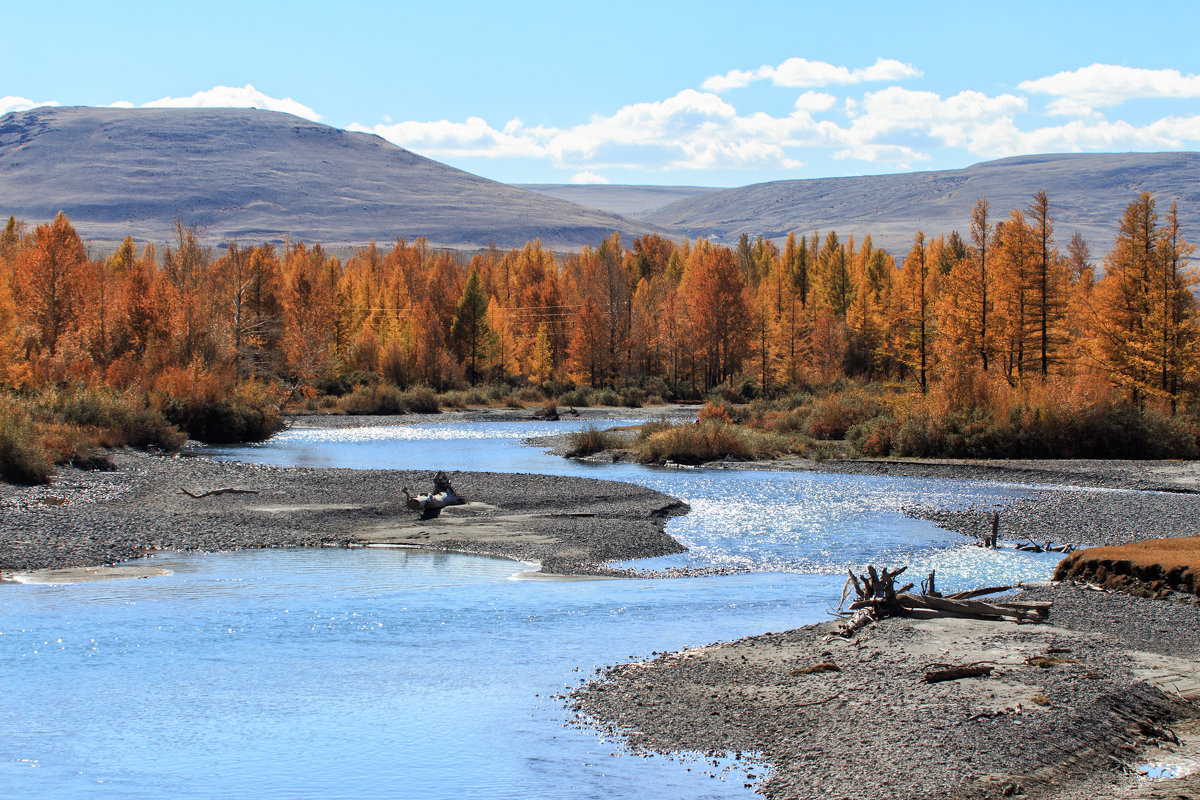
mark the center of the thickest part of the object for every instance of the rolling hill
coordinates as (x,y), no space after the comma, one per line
(256,176)
(1087,192)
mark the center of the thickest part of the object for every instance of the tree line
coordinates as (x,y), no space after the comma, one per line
(1006,302)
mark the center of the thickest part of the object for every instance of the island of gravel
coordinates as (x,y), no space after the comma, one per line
(85,520)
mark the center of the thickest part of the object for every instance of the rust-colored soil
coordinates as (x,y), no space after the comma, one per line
(1150,568)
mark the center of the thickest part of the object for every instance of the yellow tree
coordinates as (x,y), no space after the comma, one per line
(51,271)
(911,329)
(1015,260)
(1124,342)
(714,292)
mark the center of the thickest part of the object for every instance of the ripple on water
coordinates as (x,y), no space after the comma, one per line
(397,673)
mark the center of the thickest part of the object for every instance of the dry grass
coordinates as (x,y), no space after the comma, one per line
(1151,566)
(710,440)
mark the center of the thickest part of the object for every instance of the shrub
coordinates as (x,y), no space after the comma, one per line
(115,418)
(633,397)
(530,394)
(608,397)
(379,398)
(833,415)
(22,457)
(591,440)
(651,428)
(708,441)
(576,398)
(873,437)
(221,421)
(419,400)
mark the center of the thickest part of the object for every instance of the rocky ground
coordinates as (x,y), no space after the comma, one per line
(1069,710)
(96,518)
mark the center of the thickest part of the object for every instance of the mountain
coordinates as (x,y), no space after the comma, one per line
(256,176)
(1087,193)
(626,200)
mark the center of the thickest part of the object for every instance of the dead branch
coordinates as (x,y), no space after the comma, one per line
(978,592)
(443,495)
(878,597)
(958,673)
(226,490)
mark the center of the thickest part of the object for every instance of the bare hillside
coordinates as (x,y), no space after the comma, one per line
(256,175)
(1087,193)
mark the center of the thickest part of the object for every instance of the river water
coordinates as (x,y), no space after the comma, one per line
(393,673)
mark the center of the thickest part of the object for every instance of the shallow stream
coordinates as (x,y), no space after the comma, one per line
(393,673)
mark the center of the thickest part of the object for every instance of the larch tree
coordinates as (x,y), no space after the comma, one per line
(977,291)
(470,335)
(1049,287)
(911,317)
(714,292)
(51,273)
(1125,343)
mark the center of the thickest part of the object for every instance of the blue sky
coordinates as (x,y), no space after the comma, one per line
(660,93)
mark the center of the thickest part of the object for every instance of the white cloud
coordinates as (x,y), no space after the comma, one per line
(815,101)
(472,138)
(800,72)
(234,97)
(10,103)
(1079,92)
(892,126)
(588,177)
(121,104)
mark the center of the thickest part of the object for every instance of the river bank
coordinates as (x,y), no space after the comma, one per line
(1069,711)
(87,519)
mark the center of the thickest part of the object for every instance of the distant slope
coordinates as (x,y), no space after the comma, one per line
(258,175)
(1087,193)
(628,201)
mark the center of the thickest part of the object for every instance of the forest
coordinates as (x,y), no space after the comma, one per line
(999,342)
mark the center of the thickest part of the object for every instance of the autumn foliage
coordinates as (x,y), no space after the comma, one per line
(216,340)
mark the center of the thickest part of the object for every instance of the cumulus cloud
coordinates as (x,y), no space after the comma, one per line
(472,138)
(800,72)
(890,126)
(690,130)
(236,97)
(11,103)
(588,177)
(1080,92)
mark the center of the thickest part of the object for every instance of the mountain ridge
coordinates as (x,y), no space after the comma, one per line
(250,174)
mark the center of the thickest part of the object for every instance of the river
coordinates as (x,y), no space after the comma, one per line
(393,673)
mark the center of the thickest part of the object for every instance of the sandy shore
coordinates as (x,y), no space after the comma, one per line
(90,519)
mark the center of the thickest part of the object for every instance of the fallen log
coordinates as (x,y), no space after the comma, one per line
(958,673)
(212,492)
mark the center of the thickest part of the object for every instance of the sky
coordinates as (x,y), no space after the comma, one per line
(670,93)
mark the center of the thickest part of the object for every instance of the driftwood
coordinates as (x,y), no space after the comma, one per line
(226,490)
(878,597)
(1030,546)
(957,673)
(443,495)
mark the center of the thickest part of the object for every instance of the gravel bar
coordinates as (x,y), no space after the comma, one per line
(568,525)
